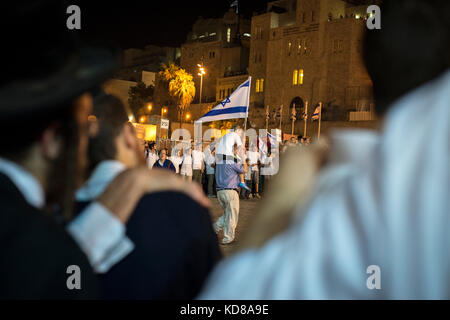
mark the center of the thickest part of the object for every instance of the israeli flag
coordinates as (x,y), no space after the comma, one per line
(234,106)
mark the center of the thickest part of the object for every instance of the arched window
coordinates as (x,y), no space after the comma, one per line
(300,76)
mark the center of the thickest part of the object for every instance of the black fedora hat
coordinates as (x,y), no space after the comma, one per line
(46,64)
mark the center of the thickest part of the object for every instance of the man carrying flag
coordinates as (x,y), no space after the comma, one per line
(230,157)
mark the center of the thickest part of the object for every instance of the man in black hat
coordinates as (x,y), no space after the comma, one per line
(45,102)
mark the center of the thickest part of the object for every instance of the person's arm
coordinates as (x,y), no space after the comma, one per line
(239,168)
(99,229)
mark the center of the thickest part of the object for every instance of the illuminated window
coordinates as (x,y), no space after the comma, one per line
(261,85)
(229,35)
(295,77)
(300,76)
(257,85)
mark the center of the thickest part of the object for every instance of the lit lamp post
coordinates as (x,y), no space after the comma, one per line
(163,112)
(201,73)
(149,107)
(188,117)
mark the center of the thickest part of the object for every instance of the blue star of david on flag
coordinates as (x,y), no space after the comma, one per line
(224,102)
(233,107)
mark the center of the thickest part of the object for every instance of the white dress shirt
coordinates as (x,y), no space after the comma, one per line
(96,230)
(227,142)
(176,160)
(186,167)
(209,161)
(151,159)
(197,159)
(379,203)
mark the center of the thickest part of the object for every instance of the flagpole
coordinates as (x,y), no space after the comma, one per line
(293,119)
(267,118)
(281,117)
(248,106)
(305,118)
(320,120)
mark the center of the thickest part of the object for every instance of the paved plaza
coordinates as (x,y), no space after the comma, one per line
(247,210)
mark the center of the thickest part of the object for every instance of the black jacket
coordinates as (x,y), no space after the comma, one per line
(36,251)
(175,250)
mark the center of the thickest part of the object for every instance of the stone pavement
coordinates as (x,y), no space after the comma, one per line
(247,210)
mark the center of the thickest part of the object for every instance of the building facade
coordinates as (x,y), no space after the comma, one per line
(222,47)
(142,64)
(308,51)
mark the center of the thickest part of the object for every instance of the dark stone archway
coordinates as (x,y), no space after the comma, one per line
(299,104)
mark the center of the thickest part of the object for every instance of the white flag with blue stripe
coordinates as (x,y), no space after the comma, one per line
(233,107)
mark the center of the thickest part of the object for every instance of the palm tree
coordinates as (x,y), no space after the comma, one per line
(181,86)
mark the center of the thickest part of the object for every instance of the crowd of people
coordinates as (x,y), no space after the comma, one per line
(198,164)
(84,218)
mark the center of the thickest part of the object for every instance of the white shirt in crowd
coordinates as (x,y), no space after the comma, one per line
(209,161)
(269,163)
(96,230)
(197,159)
(186,167)
(254,157)
(227,142)
(381,212)
(176,160)
(151,159)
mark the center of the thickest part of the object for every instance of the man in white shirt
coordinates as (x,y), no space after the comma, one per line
(152,155)
(374,223)
(254,157)
(186,165)
(176,159)
(179,274)
(197,165)
(229,147)
(47,161)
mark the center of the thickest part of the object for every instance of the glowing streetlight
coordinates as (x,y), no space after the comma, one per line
(150,107)
(188,116)
(163,111)
(142,119)
(201,73)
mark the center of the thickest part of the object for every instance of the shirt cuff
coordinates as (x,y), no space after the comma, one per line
(101,236)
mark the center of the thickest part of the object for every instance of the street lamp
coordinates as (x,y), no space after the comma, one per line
(142,119)
(149,107)
(163,111)
(188,116)
(201,73)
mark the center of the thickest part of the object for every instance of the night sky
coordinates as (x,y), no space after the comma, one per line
(131,23)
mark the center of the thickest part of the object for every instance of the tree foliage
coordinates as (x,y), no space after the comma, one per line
(139,95)
(180,86)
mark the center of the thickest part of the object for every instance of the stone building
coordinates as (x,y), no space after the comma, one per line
(222,46)
(309,50)
(140,64)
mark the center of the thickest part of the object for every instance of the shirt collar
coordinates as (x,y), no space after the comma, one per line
(27,184)
(102,176)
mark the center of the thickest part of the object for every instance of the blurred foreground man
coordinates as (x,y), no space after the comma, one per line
(175,246)
(376,223)
(45,102)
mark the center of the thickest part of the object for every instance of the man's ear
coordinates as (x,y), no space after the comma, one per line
(129,136)
(51,142)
